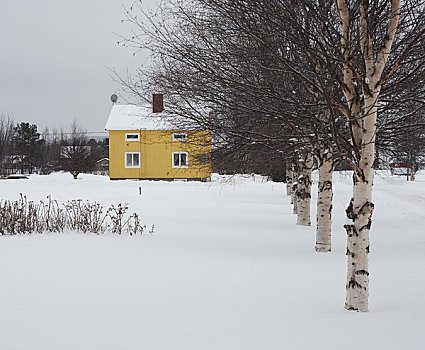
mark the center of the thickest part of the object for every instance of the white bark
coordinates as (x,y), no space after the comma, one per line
(303,193)
(360,212)
(324,204)
(363,126)
(289,180)
(293,198)
(293,185)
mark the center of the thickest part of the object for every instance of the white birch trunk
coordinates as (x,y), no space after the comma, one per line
(294,185)
(303,193)
(363,115)
(324,205)
(293,198)
(289,177)
(360,212)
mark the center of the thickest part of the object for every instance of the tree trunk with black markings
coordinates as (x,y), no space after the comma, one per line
(303,192)
(362,87)
(324,203)
(289,179)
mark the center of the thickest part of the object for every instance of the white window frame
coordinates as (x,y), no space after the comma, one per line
(127,134)
(180,134)
(132,160)
(180,166)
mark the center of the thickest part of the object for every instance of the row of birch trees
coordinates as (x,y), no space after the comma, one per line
(294,83)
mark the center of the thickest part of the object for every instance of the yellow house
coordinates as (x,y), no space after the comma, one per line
(145,143)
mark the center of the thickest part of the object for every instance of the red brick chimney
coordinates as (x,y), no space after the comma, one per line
(157,103)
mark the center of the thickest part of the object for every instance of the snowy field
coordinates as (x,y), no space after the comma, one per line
(226,268)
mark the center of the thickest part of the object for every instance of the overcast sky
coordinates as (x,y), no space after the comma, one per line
(54,60)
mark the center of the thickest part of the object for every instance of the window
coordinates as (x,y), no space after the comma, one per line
(179,137)
(132,159)
(180,160)
(132,137)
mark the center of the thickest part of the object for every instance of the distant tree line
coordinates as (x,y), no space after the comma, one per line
(24,150)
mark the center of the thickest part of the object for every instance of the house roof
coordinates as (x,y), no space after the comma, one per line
(132,117)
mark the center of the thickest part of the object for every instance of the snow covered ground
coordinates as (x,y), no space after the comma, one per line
(226,268)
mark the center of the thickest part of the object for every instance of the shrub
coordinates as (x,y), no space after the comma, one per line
(25,217)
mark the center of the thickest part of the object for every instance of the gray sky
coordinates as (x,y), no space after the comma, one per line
(54,58)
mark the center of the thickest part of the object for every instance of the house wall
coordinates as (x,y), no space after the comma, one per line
(156,148)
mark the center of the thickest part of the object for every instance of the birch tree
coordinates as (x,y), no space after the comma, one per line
(324,199)
(363,110)
(303,191)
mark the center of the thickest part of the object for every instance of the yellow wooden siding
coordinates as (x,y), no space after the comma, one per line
(156,148)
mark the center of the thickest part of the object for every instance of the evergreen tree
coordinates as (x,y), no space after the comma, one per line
(27,145)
